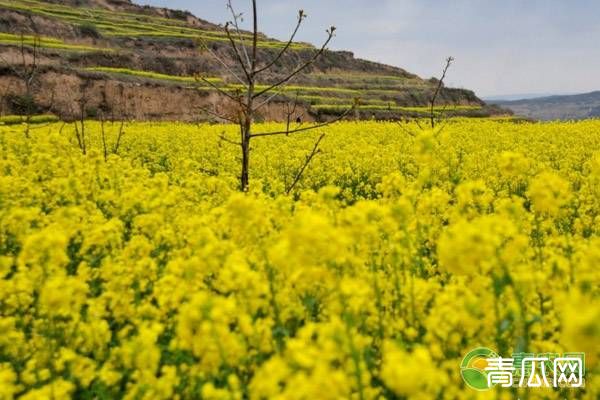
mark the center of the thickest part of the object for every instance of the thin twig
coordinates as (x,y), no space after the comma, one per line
(103,138)
(220,61)
(290,112)
(301,17)
(119,136)
(236,18)
(226,140)
(330,33)
(78,136)
(307,128)
(309,158)
(440,84)
(218,115)
(222,91)
(419,124)
(269,99)
(237,52)
(406,130)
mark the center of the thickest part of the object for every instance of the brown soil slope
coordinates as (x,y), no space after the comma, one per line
(139,62)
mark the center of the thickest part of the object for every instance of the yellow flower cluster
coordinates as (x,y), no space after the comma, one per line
(146,275)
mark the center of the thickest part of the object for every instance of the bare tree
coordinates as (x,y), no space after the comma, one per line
(79,116)
(433,120)
(120,131)
(120,134)
(125,117)
(26,71)
(103,136)
(436,93)
(250,98)
(115,113)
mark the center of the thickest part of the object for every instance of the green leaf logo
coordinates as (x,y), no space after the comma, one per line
(472,368)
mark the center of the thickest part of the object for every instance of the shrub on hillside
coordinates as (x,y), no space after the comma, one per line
(89,30)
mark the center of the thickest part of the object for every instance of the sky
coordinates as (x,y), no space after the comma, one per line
(507,47)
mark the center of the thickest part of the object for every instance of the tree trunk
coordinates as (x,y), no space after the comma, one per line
(244,177)
(246,127)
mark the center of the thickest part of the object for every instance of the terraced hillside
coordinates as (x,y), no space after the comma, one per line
(143,62)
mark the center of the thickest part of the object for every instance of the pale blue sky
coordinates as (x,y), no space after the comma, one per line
(501,47)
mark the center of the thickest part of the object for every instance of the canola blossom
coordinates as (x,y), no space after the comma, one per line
(145,274)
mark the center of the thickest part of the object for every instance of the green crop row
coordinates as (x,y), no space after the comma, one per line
(448,108)
(20,119)
(45,43)
(57,9)
(149,75)
(371,107)
(188,79)
(311,94)
(356,76)
(320,100)
(29,38)
(128,25)
(367,78)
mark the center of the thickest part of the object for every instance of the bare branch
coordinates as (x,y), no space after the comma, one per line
(218,115)
(103,135)
(220,61)
(301,17)
(220,90)
(451,113)
(78,136)
(28,75)
(307,128)
(290,111)
(440,84)
(406,130)
(119,136)
(268,99)
(235,23)
(443,121)
(330,35)
(82,102)
(419,124)
(309,158)
(254,38)
(236,52)
(226,140)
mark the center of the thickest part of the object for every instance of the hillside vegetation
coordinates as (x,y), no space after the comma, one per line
(150,56)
